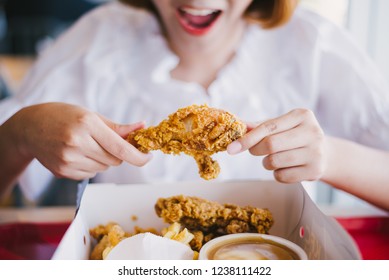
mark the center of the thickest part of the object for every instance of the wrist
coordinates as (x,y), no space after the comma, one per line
(335,172)
(13,161)
(16,140)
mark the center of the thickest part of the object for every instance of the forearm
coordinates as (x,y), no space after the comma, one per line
(359,170)
(12,161)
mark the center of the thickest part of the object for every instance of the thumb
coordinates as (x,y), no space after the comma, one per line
(123,129)
(252,125)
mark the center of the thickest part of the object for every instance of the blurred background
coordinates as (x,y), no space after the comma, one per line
(28,26)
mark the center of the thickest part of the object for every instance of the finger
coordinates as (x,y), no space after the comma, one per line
(290,158)
(76,175)
(297,174)
(122,129)
(78,165)
(251,125)
(97,152)
(71,173)
(118,147)
(125,129)
(273,126)
(283,141)
(91,165)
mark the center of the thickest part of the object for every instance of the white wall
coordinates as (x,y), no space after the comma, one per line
(368,21)
(334,10)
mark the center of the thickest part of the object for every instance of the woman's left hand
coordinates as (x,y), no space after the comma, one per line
(293,145)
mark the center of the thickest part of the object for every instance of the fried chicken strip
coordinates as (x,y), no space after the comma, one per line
(198,131)
(208,219)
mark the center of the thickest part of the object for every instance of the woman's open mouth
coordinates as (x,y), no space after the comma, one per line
(197,21)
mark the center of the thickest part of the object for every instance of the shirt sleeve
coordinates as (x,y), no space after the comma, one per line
(353,95)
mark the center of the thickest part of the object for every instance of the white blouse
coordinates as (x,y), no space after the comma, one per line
(115,61)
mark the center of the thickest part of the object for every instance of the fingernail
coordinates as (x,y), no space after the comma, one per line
(234,148)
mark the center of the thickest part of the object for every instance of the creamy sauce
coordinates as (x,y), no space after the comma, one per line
(252,250)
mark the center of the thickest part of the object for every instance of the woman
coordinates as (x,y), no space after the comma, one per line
(326,107)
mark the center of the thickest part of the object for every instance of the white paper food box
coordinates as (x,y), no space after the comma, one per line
(296,216)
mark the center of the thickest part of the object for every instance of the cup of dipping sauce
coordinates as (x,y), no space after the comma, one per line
(251,246)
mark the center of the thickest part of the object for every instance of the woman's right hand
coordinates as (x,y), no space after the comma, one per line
(73,142)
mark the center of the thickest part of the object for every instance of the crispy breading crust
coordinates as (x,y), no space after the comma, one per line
(197,130)
(211,218)
(108,236)
(203,218)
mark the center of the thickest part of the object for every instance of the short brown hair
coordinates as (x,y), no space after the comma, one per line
(267,13)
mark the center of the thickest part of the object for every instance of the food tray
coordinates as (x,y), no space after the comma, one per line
(296,216)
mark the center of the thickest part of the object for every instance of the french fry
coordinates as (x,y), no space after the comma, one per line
(184,236)
(174,232)
(106,252)
(195,255)
(115,235)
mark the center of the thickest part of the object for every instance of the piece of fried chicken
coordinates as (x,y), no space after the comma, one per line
(207,219)
(197,130)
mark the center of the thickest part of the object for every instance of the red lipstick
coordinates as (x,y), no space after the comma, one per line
(197,21)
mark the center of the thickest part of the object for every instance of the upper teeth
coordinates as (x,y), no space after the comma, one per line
(198,12)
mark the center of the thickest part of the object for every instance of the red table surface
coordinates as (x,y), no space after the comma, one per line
(371,235)
(38,241)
